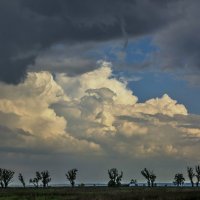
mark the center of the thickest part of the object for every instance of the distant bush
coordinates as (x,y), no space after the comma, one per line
(81,185)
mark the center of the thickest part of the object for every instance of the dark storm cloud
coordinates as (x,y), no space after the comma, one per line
(10,139)
(30,26)
(180,41)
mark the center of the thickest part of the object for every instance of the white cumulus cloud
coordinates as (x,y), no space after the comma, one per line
(93,114)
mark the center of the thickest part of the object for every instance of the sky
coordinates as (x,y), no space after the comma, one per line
(95,84)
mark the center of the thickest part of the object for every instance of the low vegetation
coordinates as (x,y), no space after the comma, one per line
(101,193)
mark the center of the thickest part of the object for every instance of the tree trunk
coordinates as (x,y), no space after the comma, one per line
(148,182)
(151,183)
(72,183)
(6,185)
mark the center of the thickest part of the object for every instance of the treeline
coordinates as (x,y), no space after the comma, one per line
(115,177)
(6,177)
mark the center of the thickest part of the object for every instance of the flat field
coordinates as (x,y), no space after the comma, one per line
(100,193)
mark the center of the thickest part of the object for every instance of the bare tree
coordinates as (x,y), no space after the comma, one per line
(45,177)
(21,179)
(6,177)
(197,169)
(71,176)
(146,175)
(150,177)
(179,179)
(191,175)
(115,177)
(35,181)
(1,177)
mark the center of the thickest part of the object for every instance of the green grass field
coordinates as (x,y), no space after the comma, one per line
(100,193)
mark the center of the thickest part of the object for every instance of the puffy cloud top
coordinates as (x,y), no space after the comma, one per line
(165,105)
(75,87)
